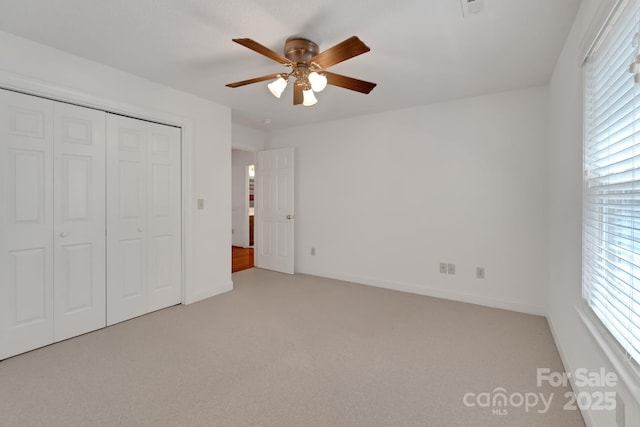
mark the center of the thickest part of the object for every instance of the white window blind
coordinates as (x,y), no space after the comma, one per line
(611,217)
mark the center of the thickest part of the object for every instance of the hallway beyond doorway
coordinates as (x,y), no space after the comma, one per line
(241,258)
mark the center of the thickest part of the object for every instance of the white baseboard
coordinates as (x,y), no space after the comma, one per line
(586,416)
(500,303)
(190,299)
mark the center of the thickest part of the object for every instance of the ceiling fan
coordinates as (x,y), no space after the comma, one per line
(308,67)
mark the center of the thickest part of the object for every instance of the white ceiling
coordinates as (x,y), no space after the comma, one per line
(422,51)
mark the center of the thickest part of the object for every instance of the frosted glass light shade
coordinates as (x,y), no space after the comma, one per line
(277,86)
(318,81)
(309,98)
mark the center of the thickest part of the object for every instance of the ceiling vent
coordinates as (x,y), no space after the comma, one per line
(472,7)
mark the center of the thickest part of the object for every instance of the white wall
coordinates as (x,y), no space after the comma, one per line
(39,69)
(385,198)
(576,344)
(240,223)
(246,138)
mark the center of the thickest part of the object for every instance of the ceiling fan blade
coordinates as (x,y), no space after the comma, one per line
(349,48)
(254,80)
(263,50)
(349,82)
(298,96)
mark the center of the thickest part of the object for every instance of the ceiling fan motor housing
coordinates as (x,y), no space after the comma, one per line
(300,50)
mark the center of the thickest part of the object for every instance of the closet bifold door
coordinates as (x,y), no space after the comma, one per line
(143,217)
(26,223)
(79,214)
(164,217)
(127,142)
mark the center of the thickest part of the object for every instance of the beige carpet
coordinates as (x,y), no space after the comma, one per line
(296,350)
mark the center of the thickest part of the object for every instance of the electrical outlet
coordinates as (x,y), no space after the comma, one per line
(479,272)
(451,268)
(313,251)
(443,268)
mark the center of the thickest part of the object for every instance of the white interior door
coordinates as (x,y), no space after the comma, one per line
(26,223)
(143,217)
(127,141)
(164,217)
(275,210)
(79,215)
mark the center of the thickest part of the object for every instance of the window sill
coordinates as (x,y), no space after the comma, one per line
(627,373)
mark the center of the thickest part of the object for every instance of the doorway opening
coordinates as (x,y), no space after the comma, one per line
(243,209)
(251,175)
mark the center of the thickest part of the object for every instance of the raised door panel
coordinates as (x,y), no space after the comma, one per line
(79,296)
(80,303)
(27,276)
(132,258)
(127,246)
(164,217)
(26,223)
(27,186)
(131,200)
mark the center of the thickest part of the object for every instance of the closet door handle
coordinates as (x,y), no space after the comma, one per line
(140,229)
(63,234)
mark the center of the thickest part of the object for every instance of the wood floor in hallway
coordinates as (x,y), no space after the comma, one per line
(241,258)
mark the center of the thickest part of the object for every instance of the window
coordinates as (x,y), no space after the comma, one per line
(611,216)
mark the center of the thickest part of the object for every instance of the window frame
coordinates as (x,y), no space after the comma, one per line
(627,367)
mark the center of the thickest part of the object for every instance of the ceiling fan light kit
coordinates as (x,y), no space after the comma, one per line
(318,81)
(308,98)
(277,86)
(308,68)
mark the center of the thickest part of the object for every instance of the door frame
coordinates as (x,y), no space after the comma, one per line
(245,214)
(247,193)
(54,92)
